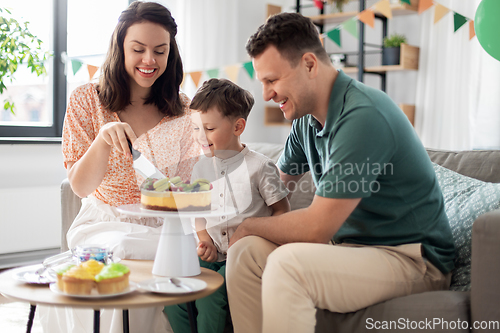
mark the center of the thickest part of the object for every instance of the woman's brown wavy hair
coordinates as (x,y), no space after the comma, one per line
(114,87)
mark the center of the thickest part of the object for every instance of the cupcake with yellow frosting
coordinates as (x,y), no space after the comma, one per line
(94,267)
(77,281)
(112,279)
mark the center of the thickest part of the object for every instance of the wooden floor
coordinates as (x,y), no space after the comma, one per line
(14,317)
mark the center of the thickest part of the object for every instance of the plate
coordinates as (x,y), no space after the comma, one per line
(27,274)
(94,294)
(137,210)
(164,286)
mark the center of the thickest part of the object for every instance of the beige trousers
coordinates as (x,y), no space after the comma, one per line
(275,289)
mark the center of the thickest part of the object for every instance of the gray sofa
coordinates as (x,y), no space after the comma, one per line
(427,311)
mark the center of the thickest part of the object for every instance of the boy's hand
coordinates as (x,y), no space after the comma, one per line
(207,251)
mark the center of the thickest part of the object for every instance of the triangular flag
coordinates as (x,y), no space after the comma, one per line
(458,20)
(472,31)
(213,73)
(196,76)
(384,7)
(351,26)
(334,35)
(439,12)
(76,65)
(318,4)
(423,5)
(183,80)
(232,72)
(92,70)
(406,1)
(249,67)
(367,17)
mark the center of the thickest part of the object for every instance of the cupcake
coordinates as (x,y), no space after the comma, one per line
(77,281)
(92,266)
(60,270)
(112,279)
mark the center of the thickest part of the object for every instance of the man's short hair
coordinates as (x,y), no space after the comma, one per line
(229,98)
(292,34)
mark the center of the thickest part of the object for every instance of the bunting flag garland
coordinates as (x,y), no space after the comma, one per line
(76,65)
(334,35)
(384,7)
(183,80)
(92,70)
(459,21)
(196,76)
(232,72)
(367,17)
(439,12)
(423,5)
(472,31)
(351,26)
(213,73)
(318,4)
(249,67)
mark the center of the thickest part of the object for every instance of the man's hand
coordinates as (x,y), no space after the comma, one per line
(207,251)
(241,231)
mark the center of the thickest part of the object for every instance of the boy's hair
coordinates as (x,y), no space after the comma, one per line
(229,98)
(292,34)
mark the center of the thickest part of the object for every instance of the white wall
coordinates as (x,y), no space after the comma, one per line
(30,178)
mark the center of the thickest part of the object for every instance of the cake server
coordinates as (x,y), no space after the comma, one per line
(143,166)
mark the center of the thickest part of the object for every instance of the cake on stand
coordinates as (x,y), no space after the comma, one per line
(176,254)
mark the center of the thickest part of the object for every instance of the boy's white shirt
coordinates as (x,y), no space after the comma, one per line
(255,184)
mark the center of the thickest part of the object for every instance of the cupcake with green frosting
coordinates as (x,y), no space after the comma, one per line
(60,270)
(112,279)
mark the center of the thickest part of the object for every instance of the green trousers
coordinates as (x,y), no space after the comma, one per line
(212,310)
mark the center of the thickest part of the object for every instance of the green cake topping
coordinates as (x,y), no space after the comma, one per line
(61,269)
(112,271)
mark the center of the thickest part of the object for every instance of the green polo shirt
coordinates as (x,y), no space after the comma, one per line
(368,149)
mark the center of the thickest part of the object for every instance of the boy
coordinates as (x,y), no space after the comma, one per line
(242,179)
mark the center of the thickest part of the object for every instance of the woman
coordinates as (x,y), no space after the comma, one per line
(137,98)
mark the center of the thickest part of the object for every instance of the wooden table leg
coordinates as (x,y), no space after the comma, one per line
(97,321)
(125,321)
(30,318)
(192,312)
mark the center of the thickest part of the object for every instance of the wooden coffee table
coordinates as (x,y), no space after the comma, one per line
(140,270)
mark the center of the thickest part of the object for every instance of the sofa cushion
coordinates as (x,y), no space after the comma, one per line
(434,311)
(479,164)
(465,200)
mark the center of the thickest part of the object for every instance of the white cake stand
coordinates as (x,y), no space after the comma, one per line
(176,254)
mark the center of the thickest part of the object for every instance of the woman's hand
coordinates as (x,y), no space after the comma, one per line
(115,134)
(86,174)
(207,251)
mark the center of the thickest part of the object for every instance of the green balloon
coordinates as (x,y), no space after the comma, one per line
(487,26)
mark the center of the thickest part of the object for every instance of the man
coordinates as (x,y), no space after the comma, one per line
(376,228)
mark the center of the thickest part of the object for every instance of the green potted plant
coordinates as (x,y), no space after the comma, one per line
(392,49)
(18,46)
(339,4)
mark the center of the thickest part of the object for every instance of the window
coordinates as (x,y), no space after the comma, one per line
(36,112)
(78,34)
(90,26)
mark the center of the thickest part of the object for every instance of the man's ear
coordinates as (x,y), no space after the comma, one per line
(311,63)
(239,126)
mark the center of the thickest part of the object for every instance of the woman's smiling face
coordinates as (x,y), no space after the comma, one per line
(146,48)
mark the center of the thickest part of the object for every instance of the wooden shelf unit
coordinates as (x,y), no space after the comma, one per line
(336,18)
(273,116)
